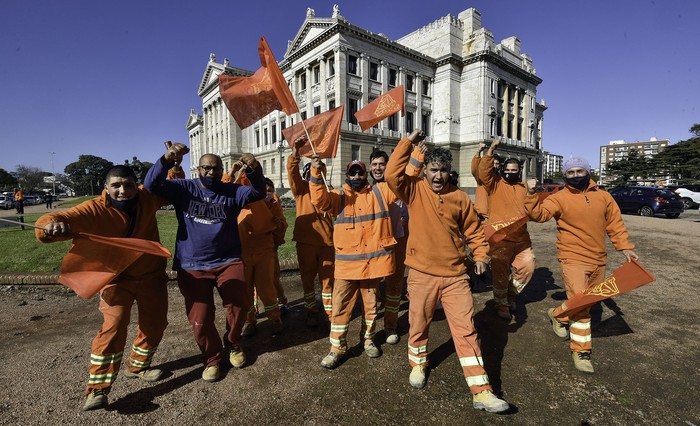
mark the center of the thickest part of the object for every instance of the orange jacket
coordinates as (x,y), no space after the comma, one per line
(176,173)
(583,220)
(481,200)
(97,216)
(505,201)
(19,196)
(441,224)
(362,233)
(311,226)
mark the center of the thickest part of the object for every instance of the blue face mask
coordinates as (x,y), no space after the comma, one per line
(578,182)
(209,181)
(128,206)
(356,185)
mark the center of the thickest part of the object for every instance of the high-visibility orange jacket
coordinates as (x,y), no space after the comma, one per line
(311,226)
(97,216)
(441,223)
(481,200)
(362,234)
(583,219)
(257,227)
(19,196)
(505,200)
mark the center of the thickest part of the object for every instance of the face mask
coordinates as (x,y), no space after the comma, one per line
(128,206)
(268,197)
(578,182)
(356,185)
(511,177)
(209,181)
(496,170)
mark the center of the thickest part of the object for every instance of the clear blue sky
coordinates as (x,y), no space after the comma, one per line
(117,78)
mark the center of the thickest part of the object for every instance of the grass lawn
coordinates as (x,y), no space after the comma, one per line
(20,251)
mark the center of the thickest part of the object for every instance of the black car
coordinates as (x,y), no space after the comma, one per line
(648,201)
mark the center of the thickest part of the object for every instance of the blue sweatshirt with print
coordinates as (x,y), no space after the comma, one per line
(207,233)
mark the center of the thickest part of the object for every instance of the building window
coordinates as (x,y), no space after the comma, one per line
(317,109)
(264,167)
(331,104)
(393,122)
(331,66)
(317,74)
(272,165)
(492,126)
(425,90)
(283,124)
(425,123)
(266,137)
(303,115)
(409,122)
(392,77)
(409,83)
(355,152)
(352,64)
(374,71)
(493,88)
(302,81)
(274,133)
(257,138)
(352,109)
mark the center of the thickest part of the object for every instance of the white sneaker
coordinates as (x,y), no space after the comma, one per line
(487,401)
(417,377)
(392,337)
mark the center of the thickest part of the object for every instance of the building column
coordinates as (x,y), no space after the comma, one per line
(401,79)
(364,75)
(506,111)
(322,64)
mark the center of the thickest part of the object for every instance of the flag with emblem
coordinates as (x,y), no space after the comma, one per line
(324,131)
(497,231)
(626,278)
(389,103)
(251,98)
(94,260)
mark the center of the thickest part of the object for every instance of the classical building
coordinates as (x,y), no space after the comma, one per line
(619,150)
(462,88)
(552,164)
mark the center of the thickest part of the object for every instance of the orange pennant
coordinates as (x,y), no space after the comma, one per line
(324,131)
(389,103)
(626,278)
(497,231)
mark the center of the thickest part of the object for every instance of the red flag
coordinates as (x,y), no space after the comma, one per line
(382,107)
(324,130)
(626,278)
(251,98)
(497,231)
(93,262)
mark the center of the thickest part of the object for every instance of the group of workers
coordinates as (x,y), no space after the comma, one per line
(231,224)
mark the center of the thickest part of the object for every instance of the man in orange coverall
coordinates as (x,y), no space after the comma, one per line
(443,219)
(505,202)
(584,215)
(123,210)
(313,233)
(364,251)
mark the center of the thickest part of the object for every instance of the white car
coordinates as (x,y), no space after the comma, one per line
(690,194)
(7,202)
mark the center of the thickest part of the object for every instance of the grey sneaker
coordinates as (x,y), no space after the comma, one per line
(95,400)
(487,401)
(392,337)
(331,360)
(371,350)
(417,377)
(559,328)
(148,375)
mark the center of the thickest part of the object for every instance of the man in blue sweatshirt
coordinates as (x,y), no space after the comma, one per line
(208,248)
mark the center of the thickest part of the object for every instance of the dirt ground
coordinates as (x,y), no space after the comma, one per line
(646,354)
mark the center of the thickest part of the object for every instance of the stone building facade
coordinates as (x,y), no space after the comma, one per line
(462,88)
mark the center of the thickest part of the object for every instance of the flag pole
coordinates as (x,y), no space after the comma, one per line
(14,222)
(313,149)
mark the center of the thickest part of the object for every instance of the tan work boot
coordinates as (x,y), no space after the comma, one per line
(148,375)
(487,401)
(211,373)
(582,361)
(558,328)
(417,377)
(371,350)
(237,358)
(96,399)
(331,360)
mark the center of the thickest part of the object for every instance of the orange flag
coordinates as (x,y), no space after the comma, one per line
(381,108)
(324,130)
(625,278)
(93,262)
(251,98)
(497,231)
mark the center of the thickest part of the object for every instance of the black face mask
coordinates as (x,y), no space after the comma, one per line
(511,177)
(128,206)
(578,182)
(356,185)
(209,182)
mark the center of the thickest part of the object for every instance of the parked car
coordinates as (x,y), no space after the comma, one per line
(648,200)
(690,194)
(7,202)
(546,190)
(31,200)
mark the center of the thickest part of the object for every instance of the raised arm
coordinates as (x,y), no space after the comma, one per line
(156,180)
(395,174)
(486,175)
(320,197)
(296,181)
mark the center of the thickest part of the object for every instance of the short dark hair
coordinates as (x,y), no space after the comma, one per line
(512,161)
(121,171)
(268,181)
(378,153)
(497,158)
(438,155)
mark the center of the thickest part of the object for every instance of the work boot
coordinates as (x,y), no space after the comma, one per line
(371,350)
(417,377)
(277,327)
(312,319)
(96,399)
(582,361)
(559,328)
(148,375)
(504,313)
(331,360)
(392,337)
(487,401)
(237,358)
(211,373)
(249,330)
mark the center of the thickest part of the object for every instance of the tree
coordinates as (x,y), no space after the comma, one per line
(140,168)
(87,174)
(630,169)
(31,179)
(681,161)
(7,181)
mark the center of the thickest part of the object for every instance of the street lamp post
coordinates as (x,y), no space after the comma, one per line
(53,175)
(280,149)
